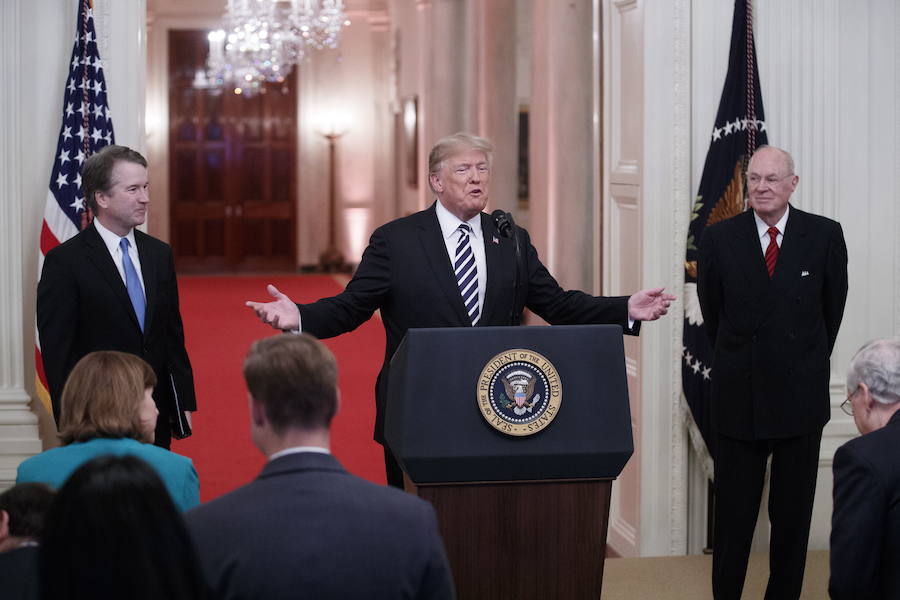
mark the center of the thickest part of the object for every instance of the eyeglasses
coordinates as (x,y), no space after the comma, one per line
(771,180)
(846,406)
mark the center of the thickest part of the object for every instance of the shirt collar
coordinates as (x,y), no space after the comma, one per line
(450,222)
(763,229)
(111,239)
(298,450)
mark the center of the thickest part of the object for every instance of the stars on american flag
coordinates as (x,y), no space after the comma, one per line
(86,122)
(738,125)
(695,365)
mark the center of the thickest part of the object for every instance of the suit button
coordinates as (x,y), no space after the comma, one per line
(747,376)
(791,336)
(753,338)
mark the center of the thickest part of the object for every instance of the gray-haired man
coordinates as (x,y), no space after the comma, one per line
(865,525)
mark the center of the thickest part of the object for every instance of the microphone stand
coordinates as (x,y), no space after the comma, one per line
(508,229)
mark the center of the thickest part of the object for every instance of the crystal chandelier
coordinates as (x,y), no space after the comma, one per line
(263,39)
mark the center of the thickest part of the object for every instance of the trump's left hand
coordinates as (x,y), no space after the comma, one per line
(649,305)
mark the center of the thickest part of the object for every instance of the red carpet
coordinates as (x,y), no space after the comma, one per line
(219,330)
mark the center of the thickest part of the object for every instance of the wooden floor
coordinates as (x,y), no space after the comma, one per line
(688,577)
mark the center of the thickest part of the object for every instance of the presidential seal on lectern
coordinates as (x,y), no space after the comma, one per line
(519,392)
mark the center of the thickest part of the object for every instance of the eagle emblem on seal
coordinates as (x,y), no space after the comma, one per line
(519,392)
(519,386)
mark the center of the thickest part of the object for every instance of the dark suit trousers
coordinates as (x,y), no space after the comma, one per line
(740,471)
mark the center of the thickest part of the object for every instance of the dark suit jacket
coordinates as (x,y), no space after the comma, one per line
(865,523)
(19,577)
(406,272)
(83,306)
(305,528)
(772,337)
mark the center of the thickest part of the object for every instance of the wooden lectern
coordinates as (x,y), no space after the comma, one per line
(522,516)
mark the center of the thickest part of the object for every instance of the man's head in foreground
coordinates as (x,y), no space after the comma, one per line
(292,383)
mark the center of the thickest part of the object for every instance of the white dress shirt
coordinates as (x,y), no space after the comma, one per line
(763,230)
(298,450)
(450,230)
(112,244)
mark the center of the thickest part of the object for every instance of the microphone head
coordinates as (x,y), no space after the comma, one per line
(504,222)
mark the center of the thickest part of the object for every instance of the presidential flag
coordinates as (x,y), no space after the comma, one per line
(86,127)
(739,129)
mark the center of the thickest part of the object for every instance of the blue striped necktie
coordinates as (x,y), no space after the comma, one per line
(467,273)
(133,283)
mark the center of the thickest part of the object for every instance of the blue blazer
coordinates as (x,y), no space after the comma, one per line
(54,466)
(306,528)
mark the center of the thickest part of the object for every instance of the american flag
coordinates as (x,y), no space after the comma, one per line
(86,127)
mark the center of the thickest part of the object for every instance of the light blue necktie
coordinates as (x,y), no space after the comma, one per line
(133,283)
(467,273)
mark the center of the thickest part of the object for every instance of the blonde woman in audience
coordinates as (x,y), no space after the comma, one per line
(108,408)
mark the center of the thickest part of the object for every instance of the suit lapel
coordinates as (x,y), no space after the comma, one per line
(790,254)
(98,255)
(149,274)
(435,250)
(748,252)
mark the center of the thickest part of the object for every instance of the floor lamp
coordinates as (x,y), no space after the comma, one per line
(332,259)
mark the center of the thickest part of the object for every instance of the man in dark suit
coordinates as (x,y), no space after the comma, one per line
(451,266)
(306,528)
(772,285)
(865,524)
(23,510)
(112,287)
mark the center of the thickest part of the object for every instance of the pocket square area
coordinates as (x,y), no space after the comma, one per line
(804,273)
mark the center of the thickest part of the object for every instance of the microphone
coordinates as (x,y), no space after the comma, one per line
(507,228)
(504,222)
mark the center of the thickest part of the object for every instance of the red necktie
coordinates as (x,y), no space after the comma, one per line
(772,250)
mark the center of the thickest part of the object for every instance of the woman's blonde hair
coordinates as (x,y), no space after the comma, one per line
(102,397)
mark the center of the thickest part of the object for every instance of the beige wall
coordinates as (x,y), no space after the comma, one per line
(351,84)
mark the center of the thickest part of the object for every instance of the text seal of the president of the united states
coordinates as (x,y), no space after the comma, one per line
(519,392)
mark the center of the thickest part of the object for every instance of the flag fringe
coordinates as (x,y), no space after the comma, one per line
(703,456)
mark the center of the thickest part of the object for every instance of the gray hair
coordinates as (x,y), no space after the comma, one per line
(877,364)
(788,159)
(456,144)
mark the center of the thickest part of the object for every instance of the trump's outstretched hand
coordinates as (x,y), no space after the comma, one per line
(281,313)
(649,305)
